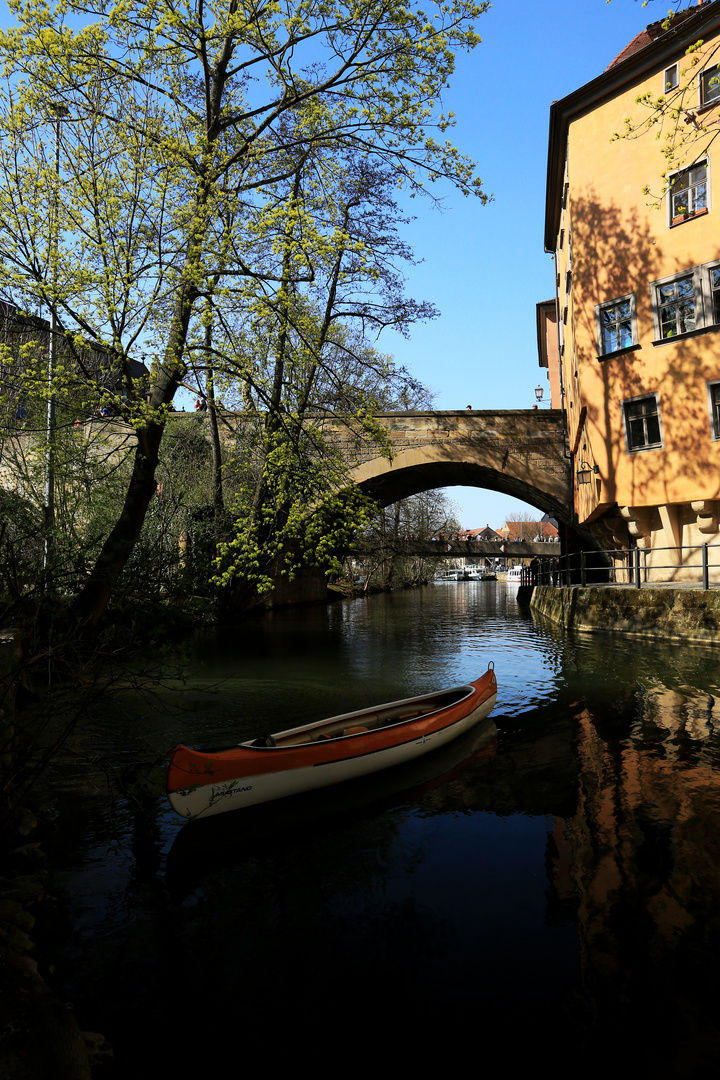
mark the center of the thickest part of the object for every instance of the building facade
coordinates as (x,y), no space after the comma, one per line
(633,221)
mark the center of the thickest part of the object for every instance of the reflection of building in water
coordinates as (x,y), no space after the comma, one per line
(642,856)
(637,313)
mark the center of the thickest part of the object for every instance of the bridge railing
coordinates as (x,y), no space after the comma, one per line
(690,565)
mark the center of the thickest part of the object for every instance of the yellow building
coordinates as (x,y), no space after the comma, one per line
(637,259)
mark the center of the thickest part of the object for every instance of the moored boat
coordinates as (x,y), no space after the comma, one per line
(326,752)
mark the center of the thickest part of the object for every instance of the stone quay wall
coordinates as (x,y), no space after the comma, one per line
(670,614)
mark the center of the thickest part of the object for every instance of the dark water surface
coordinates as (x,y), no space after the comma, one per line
(546,893)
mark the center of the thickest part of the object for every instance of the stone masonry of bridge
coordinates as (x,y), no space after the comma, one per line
(516,451)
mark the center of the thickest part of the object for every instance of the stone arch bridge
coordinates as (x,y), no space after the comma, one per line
(519,452)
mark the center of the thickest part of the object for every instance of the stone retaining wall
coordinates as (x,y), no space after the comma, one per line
(669,614)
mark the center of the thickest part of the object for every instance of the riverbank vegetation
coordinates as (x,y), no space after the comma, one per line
(201,199)
(383,560)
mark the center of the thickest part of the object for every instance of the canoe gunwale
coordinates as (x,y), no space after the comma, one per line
(375,712)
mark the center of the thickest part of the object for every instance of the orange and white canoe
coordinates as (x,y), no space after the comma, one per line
(326,752)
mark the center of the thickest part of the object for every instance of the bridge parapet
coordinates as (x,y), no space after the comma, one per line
(516,430)
(460,549)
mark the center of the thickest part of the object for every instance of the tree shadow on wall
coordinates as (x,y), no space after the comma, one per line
(615,252)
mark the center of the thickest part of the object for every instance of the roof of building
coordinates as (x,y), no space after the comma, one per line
(491,533)
(528,530)
(653,47)
(652,33)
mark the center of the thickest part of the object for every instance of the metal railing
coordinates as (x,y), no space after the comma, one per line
(630,566)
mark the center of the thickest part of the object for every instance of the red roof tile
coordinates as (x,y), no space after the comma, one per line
(649,34)
(528,530)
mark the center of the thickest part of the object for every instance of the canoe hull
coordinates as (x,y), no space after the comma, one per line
(314,766)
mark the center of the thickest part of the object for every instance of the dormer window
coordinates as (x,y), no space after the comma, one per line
(688,193)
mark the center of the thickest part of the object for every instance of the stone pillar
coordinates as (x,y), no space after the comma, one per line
(707,515)
(638,523)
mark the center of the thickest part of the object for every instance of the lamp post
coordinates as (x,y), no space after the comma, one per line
(49,508)
(539,394)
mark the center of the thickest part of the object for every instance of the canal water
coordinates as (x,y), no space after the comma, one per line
(544,893)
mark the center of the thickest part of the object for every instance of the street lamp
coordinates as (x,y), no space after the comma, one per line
(586,472)
(49,508)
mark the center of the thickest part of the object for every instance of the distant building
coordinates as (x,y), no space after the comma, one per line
(540,531)
(18,329)
(548,356)
(637,311)
(481,534)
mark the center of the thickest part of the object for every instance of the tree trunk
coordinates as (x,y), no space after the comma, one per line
(93,599)
(217,480)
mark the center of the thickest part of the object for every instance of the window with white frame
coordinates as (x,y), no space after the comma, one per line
(689,193)
(670,80)
(713,390)
(616,324)
(676,306)
(712,292)
(710,85)
(643,430)
(686,303)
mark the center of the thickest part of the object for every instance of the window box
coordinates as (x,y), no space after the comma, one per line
(686,217)
(616,325)
(641,421)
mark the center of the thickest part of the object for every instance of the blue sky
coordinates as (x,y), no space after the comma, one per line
(484,266)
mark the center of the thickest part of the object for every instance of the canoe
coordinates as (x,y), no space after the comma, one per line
(326,752)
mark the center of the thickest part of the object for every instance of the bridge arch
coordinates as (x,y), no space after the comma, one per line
(517,452)
(405,475)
